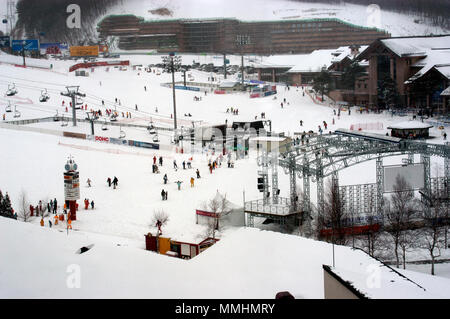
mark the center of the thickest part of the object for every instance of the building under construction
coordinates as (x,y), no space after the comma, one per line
(233,36)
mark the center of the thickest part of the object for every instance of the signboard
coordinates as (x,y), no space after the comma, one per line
(414,175)
(71,186)
(84,51)
(28,45)
(61,46)
(5,42)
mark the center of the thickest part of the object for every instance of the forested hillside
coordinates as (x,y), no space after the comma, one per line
(435,12)
(48,17)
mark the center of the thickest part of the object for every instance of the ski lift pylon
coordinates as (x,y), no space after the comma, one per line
(122,133)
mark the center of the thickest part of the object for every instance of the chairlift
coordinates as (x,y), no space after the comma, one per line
(151,129)
(122,133)
(8,107)
(65,121)
(104,126)
(44,96)
(11,90)
(16,113)
(79,101)
(56,117)
(113,118)
(156,138)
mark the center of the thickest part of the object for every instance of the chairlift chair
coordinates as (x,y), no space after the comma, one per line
(8,107)
(122,133)
(156,138)
(16,113)
(11,90)
(104,126)
(113,118)
(56,117)
(44,96)
(65,121)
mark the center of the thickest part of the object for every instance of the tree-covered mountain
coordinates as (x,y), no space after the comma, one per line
(435,12)
(48,18)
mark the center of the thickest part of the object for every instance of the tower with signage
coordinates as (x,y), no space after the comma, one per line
(71,187)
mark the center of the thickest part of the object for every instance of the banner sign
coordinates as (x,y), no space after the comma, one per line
(27,45)
(77,51)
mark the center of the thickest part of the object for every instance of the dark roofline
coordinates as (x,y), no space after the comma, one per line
(346,284)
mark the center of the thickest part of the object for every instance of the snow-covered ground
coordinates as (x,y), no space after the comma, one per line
(33,162)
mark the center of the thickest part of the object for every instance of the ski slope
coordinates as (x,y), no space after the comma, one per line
(33,162)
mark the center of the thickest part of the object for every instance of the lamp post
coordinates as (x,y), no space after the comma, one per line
(172,64)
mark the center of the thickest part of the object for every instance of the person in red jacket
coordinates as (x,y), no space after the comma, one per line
(86,203)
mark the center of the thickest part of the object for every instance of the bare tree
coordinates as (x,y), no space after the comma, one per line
(24,207)
(399,211)
(220,207)
(160,219)
(432,235)
(334,213)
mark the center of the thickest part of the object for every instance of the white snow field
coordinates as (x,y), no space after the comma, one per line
(251,263)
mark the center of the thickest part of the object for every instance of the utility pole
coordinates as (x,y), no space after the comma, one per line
(72,92)
(23,52)
(224,66)
(172,64)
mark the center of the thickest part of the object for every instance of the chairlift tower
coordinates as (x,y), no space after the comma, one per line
(72,92)
(172,64)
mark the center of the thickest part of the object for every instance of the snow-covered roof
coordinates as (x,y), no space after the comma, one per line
(438,59)
(446,92)
(280,61)
(416,46)
(228,84)
(410,125)
(314,62)
(379,281)
(342,52)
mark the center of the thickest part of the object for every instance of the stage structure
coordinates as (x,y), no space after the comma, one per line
(325,155)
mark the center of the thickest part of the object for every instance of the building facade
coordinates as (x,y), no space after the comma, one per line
(233,36)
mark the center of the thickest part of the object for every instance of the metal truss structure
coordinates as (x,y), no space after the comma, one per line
(325,155)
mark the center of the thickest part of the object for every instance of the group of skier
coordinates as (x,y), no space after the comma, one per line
(114,182)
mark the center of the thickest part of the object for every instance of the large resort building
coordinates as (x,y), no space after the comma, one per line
(233,36)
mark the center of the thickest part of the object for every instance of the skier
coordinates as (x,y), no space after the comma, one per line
(31,210)
(154,159)
(56,219)
(42,222)
(50,223)
(109,181)
(92,204)
(163,194)
(89,182)
(175,166)
(165,178)
(178,184)
(192,182)
(160,161)
(115,182)
(198,173)
(184,164)
(301,123)
(86,203)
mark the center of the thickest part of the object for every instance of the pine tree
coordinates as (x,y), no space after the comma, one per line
(387,92)
(8,210)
